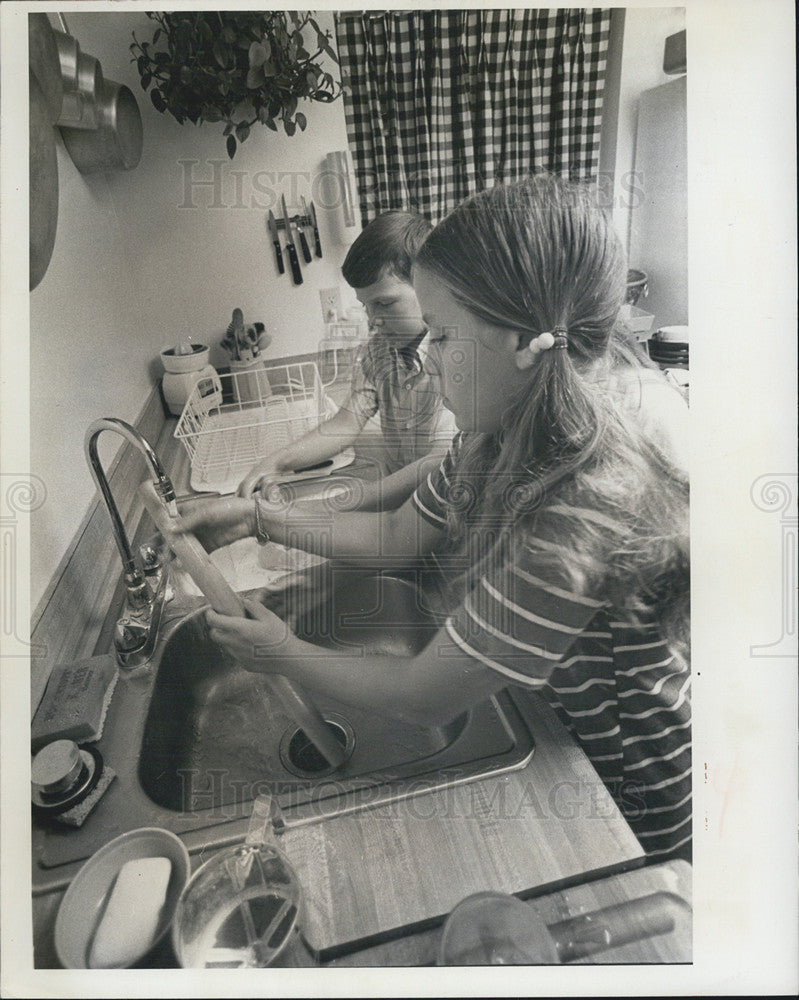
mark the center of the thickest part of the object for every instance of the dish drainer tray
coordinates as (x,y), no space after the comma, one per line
(233,420)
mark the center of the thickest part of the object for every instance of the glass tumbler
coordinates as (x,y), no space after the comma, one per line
(241,909)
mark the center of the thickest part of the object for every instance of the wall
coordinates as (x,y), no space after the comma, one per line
(144,258)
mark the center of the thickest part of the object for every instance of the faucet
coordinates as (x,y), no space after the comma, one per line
(136,631)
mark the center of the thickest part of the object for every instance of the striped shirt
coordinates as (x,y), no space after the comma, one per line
(615,686)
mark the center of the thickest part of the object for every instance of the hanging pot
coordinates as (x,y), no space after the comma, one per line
(116,144)
(44,61)
(43,167)
(82,80)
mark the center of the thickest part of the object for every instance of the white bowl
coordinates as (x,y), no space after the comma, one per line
(84,901)
(179,364)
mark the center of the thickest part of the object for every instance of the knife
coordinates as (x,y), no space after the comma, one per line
(272,223)
(315,231)
(303,242)
(291,247)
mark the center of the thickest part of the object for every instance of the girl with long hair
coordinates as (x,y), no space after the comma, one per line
(563,500)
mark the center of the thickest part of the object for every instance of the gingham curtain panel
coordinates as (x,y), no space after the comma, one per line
(441,104)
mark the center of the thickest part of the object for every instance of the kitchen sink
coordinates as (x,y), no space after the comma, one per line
(214,737)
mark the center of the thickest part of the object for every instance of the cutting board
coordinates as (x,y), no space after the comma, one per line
(395,869)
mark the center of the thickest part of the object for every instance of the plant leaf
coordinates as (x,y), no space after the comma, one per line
(228,128)
(212,114)
(289,126)
(220,53)
(146,80)
(269,68)
(257,54)
(255,77)
(270,123)
(301,120)
(158,101)
(231,146)
(242,131)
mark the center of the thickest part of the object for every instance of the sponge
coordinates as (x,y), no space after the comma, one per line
(75,702)
(128,927)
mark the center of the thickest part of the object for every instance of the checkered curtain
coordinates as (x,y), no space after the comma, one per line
(441,104)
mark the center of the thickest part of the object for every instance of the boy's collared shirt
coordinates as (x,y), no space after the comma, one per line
(393,382)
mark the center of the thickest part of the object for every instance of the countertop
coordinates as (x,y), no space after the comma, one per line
(378,881)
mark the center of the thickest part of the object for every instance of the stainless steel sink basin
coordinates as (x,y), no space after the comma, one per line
(214,738)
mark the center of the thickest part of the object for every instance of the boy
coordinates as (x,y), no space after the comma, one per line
(388,377)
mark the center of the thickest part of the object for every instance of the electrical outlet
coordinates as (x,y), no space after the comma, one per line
(331,302)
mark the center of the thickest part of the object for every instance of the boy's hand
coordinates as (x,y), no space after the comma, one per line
(261,475)
(219,522)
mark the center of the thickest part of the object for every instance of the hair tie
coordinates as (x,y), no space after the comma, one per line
(557,337)
(561,336)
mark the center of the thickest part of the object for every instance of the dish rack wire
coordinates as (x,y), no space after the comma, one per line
(231,421)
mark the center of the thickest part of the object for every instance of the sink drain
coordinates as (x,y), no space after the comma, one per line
(300,757)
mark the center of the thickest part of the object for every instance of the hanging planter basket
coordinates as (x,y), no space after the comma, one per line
(242,68)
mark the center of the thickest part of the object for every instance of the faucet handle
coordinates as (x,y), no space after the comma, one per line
(150,556)
(129,635)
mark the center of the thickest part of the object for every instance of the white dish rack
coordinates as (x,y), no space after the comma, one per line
(231,421)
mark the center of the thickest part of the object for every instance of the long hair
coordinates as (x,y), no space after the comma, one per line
(570,463)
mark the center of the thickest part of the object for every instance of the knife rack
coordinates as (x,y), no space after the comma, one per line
(298,220)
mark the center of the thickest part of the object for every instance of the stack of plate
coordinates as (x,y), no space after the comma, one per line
(668,347)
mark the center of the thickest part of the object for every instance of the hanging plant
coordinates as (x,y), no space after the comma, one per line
(236,67)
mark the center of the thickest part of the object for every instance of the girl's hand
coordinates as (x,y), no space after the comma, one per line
(254,642)
(219,522)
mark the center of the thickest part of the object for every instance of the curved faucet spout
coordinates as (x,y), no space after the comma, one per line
(134,578)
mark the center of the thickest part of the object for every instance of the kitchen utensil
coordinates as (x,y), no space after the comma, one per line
(301,233)
(224,600)
(318,245)
(272,224)
(44,61)
(43,178)
(290,246)
(242,908)
(494,928)
(116,143)
(82,79)
(223,443)
(82,907)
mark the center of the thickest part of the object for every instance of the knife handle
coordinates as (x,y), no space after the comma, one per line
(318,245)
(304,244)
(281,267)
(295,264)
